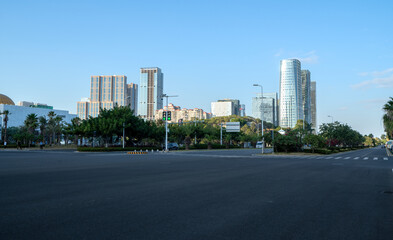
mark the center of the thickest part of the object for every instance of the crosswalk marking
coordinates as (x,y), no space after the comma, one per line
(356,158)
(329,157)
(375,158)
(337,157)
(347,158)
(385,158)
(366,158)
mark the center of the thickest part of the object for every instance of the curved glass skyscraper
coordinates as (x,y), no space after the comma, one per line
(291,102)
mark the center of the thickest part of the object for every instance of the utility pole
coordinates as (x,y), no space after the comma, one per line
(124,125)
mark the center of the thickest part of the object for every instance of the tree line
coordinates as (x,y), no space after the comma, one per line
(107,130)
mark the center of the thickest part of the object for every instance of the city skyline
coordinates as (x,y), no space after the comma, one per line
(217,56)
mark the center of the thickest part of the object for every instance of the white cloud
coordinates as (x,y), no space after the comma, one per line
(310,58)
(381,79)
(377,73)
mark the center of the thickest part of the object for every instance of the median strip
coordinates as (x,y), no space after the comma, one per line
(136,152)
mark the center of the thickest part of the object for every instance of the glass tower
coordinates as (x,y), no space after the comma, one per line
(291,104)
(150,92)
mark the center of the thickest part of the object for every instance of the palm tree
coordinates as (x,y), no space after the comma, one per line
(388,117)
(52,125)
(31,124)
(43,124)
(5,119)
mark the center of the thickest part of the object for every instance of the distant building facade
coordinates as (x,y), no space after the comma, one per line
(222,109)
(34,105)
(179,114)
(235,106)
(150,92)
(291,104)
(313,97)
(242,110)
(132,97)
(106,92)
(269,107)
(306,95)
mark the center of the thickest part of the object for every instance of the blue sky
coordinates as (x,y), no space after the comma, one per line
(208,50)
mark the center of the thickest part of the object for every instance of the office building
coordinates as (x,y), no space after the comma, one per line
(242,110)
(222,109)
(235,105)
(179,114)
(291,104)
(150,92)
(17,114)
(306,95)
(269,107)
(106,92)
(132,97)
(313,97)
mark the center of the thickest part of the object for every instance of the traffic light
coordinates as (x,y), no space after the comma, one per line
(164,116)
(169,116)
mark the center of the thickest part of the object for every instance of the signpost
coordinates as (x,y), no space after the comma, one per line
(232,126)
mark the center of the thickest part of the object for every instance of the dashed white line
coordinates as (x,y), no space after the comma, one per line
(375,158)
(347,158)
(329,157)
(356,158)
(366,158)
(337,157)
(385,158)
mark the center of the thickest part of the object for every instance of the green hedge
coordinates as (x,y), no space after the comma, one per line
(204,146)
(15,146)
(113,149)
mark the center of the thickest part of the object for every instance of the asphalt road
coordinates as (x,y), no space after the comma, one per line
(195,195)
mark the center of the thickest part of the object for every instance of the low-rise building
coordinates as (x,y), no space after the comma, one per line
(179,114)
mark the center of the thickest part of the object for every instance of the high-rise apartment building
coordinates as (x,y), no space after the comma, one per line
(313,97)
(306,95)
(132,97)
(242,110)
(105,93)
(150,92)
(291,104)
(269,107)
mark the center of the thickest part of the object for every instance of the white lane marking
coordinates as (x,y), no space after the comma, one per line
(385,158)
(366,158)
(329,157)
(337,157)
(321,157)
(375,158)
(347,158)
(356,158)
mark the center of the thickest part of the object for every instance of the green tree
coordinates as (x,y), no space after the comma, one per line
(315,141)
(388,118)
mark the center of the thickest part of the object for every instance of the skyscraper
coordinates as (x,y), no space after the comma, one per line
(270,107)
(150,92)
(306,95)
(235,105)
(132,97)
(313,97)
(291,104)
(105,93)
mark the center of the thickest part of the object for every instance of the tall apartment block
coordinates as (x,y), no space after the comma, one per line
(306,95)
(235,106)
(313,97)
(105,93)
(132,97)
(225,107)
(150,92)
(291,104)
(269,106)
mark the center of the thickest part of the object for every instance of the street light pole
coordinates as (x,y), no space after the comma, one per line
(124,125)
(331,117)
(166,121)
(263,140)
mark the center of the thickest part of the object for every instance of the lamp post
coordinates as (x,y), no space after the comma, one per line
(124,125)
(332,124)
(166,120)
(263,142)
